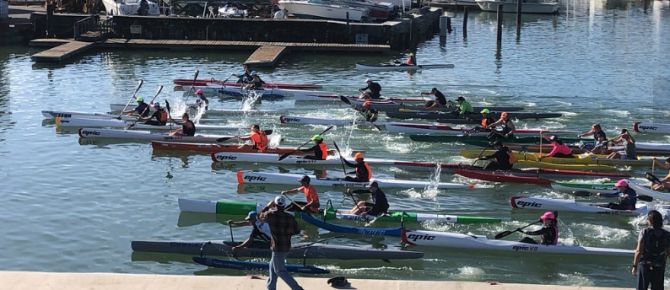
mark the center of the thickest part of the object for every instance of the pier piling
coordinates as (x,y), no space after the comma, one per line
(499,25)
(519,3)
(465,22)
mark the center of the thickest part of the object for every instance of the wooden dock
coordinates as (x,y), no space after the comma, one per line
(62,51)
(265,56)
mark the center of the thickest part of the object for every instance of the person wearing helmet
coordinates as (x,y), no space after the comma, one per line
(549,231)
(282,227)
(260,234)
(320,149)
(506,124)
(368,112)
(246,77)
(558,149)
(142,109)
(379,204)
(627,196)
(439,102)
(202,100)
(258,138)
(373,88)
(187,127)
(158,118)
(464,107)
(256,82)
(630,150)
(599,136)
(363,171)
(486,120)
(502,159)
(312,205)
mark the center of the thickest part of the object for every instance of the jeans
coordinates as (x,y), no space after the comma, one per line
(649,276)
(277,269)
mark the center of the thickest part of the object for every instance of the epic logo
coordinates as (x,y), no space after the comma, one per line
(648,127)
(290,120)
(525,248)
(415,237)
(528,204)
(251,178)
(225,157)
(87,133)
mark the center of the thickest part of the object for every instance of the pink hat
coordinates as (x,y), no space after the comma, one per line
(199,92)
(548,216)
(621,182)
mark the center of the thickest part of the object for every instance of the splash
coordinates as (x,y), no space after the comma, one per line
(575,279)
(431,191)
(469,273)
(250,100)
(198,114)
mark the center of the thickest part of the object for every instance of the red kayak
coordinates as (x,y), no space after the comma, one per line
(502,176)
(214,82)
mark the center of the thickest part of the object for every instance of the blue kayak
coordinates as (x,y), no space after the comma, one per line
(350,229)
(247,265)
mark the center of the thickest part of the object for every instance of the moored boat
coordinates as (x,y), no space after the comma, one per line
(324,9)
(401,67)
(528,7)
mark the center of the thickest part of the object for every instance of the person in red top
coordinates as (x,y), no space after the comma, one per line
(159,117)
(320,149)
(411,60)
(312,205)
(258,138)
(363,171)
(558,149)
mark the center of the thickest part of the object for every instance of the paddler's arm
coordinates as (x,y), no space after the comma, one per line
(347,162)
(291,190)
(536,233)
(611,194)
(249,240)
(310,149)
(636,257)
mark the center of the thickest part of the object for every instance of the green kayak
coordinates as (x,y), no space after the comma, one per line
(592,188)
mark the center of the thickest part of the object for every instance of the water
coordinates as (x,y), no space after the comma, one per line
(72,207)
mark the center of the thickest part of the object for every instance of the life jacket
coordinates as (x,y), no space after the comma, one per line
(162,116)
(324,150)
(260,140)
(553,236)
(358,173)
(655,242)
(484,122)
(512,157)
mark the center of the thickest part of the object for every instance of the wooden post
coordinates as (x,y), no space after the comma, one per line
(500,22)
(465,22)
(518,18)
(449,30)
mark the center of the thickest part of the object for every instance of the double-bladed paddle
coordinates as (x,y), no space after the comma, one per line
(283,156)
(137,89)
(227,138)
(348,102)
(195,78)
(158,92)
(507,233)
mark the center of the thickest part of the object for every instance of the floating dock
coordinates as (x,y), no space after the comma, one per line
(62,51)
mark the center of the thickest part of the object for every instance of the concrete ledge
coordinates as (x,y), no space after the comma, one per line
(112,281)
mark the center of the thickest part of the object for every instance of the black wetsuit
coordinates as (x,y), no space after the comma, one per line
(143,110)
(380,205)
(188,128)
(375,90)
(501,162)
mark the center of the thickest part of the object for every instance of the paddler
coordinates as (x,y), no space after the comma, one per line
(202,100)
(600,137)
(363,171)
(311,196)
(627,196)
(558,149)
(374,89)
(187,127)
(485,121)
(379,204)
(370,114)
(439,102)
(549,231)
(246,77)
(255,83)
(464,107)
(506,125)
(320,149)
(411,59)
(258,138)
(260,234)
(663,184)
(141,110)
(502,159)
(158,118)
(629,152)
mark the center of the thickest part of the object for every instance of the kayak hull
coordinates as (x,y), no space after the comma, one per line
(540,203)
(588,160)
(133,125)
(645,190)
(473,118)
(591,188)
(502,176)
(215,82)
(651,127)
(97,133)
(247,265)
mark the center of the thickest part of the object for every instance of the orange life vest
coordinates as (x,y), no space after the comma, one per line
(260,140)
(485,122)
(324,150)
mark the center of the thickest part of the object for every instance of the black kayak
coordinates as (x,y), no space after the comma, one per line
(471,118)
(247,265)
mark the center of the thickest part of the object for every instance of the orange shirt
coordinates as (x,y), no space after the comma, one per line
(311,196)
(260,140)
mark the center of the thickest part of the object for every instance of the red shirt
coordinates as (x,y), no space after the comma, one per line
(311,196)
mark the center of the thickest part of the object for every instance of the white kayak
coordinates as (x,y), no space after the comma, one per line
(651,127)
(387,67)
(250,177)
(541,203)
(323,121)
(272,158)
(479,242)
(641,189)
(69,114)
(121,124)
(98,133)
(661,148)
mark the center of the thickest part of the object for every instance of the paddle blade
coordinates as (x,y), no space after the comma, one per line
(582,193)
(283,156)
(345,100)
(268,132)
(645,198)
(167,106)
(503,234)
(224,139)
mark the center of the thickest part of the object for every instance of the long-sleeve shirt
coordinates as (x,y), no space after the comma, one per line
(361,172)
(282,226)
(375,90)
(378,198)
(549,235)
(559,149)
(629,196)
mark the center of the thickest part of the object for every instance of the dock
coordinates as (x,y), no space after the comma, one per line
(266,55)
(62,51)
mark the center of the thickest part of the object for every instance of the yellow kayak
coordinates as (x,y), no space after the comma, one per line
(583,159)
(547,165)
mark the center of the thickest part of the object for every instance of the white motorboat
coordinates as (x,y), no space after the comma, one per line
(323,9)
(129,7)
(528,6)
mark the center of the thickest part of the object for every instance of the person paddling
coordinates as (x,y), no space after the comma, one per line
(558,149)
(363,171)
(502,158)
(411,59)
(439,102)
(663,184)
(630,150)
(258,138)
(628,196)
(651,253)
(142,109)
(256,82)
(506,124)
(464,107)
(246,77)
(260,234)
(379,204)
(187,127)
(320,149)
(599,136)
(158,118)
(312,204)
(485,121)
(549,231)
(373,89)
(202,101)
(370,114)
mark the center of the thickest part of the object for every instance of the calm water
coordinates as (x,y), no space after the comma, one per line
(72,207)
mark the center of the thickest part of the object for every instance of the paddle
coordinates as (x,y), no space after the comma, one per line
(507,233)
(139,85)
(480,154)
(224,139)
(195,78)
(345,100)
(283,156)
(651,177)
(345,172)
(160,88)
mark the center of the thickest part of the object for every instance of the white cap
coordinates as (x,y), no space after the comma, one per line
(281,201)
(368,80)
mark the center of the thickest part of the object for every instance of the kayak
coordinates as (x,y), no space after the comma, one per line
(298,250)
(645,190)
(250,177)
(214,148)
(502,176)
(247,265)
(592,159)
(320,121)
(547,165)
(215,82)
(416,104)
(482,243)
(96,133)
(277,94)
(541,203)
(120,124)
(272,158)
(232,207)
(484,138)
(390,67)
(591,188)
(440,129)
(651,127)
(68,114)
(347,229)
(474,117)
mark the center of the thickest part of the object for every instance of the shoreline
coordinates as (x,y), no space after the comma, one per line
(17,280)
